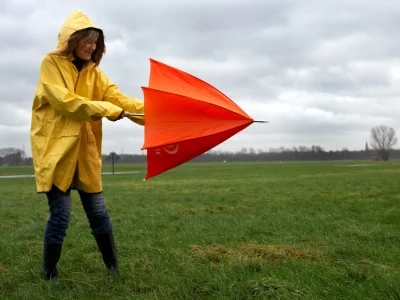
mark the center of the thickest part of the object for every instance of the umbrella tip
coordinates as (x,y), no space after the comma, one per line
(260,121)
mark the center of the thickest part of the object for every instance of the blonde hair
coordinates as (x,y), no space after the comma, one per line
(80,37)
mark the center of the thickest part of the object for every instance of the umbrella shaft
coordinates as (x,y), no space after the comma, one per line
(135,115)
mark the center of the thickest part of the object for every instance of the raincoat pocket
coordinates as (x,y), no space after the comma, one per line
(65,128)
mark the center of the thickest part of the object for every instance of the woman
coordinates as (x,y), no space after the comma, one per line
(72,97)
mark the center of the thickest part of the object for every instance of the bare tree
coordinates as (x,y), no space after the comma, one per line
(383,138)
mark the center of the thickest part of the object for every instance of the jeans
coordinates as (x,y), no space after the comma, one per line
(60,214)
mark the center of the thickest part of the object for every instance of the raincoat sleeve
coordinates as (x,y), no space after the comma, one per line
(113,95)
(70,104)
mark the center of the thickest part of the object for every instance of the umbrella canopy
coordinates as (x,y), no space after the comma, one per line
(184,117)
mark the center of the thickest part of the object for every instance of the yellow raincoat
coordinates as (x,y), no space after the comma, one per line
(66,125)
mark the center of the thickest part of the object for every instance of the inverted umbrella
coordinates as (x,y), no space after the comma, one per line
(184,117)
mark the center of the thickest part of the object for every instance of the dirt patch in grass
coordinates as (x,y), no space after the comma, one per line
(275,252)
(252,253)
(3,269)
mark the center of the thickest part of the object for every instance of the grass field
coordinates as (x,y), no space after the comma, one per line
(310,230)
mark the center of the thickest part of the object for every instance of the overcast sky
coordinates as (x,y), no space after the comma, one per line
(321,72)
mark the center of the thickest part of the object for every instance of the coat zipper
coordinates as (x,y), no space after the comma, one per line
(76,83)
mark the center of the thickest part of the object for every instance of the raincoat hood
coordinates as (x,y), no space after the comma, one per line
(76,21)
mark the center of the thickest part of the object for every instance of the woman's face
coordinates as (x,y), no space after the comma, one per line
(86,49)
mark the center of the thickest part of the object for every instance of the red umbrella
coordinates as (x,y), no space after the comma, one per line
(184,117)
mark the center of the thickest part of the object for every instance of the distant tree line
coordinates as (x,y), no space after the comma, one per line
(273,154)
(382,140)
(301,153)
(16,157)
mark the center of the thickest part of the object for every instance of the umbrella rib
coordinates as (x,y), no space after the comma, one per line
(187,139)
(190,76)
(211,103)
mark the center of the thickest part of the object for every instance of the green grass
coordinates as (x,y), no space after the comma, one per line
(310,230)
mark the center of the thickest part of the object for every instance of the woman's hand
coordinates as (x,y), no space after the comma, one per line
(122,115)
(125,114)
